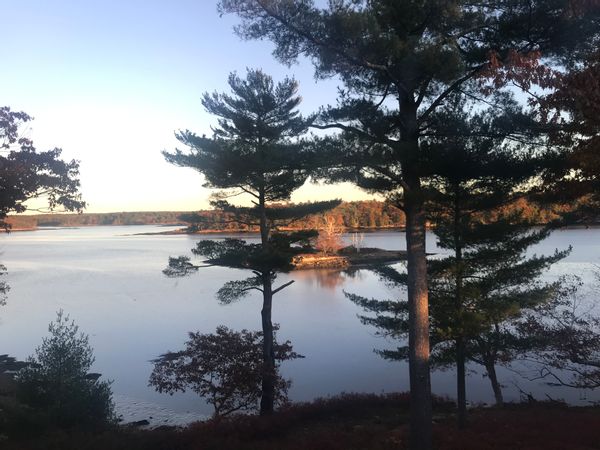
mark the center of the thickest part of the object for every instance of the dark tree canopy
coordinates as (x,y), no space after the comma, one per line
(27,174)
(397,58)
(255,147)
(236,253)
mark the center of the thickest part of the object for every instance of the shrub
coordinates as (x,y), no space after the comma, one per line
(224,367)
(57,382)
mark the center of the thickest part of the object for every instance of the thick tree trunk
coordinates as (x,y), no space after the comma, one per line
(461,385)
(418,299)
(418,337)
(267,398)
(490,367)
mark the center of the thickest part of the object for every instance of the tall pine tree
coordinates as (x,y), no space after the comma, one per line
(256,150)
(399,61)
(486,280)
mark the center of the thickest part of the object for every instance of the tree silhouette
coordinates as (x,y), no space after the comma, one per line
(26,174)
(399,62)
(486,282)
(256,150)
(224,367)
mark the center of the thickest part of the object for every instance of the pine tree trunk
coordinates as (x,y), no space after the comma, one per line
(461,385)
(418,337)
(264,227)
(418,299)
(490,367)
(267,398)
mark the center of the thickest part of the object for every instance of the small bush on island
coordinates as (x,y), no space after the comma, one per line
(329,241)
(56,385)
(224,367)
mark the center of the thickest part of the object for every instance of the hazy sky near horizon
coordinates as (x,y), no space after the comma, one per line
(110,82)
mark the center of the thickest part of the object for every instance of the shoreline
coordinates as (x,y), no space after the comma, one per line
(183,231)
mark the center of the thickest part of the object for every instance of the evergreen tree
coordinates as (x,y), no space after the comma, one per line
(486,281)
(399,61)
(56,380)
(256,150)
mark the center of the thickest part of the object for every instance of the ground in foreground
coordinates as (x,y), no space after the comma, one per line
(350,422)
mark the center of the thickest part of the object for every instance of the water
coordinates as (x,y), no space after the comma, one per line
(110,282)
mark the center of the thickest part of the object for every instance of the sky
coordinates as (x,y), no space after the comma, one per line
(111,81)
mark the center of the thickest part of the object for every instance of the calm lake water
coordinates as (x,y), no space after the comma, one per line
(110,282)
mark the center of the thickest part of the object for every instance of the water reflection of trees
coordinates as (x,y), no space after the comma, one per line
(329,279)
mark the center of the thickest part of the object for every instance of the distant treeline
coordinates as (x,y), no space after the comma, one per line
(367,214)
(359,214)
(92,219)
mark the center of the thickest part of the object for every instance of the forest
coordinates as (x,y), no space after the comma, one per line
(358,214)
(354,215)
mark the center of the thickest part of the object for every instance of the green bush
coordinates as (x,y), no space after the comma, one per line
(57,382)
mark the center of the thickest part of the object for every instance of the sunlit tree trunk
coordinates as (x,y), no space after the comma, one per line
(418,338)
(418,300)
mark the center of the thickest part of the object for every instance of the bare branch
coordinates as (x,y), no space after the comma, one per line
(283,286)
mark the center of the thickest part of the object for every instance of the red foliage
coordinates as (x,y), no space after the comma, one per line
(524,70)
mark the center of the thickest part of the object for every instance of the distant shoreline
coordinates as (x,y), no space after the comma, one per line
(245,231)
(183,230)
(356,216)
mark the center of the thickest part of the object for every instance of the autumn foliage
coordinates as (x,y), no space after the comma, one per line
(224,367)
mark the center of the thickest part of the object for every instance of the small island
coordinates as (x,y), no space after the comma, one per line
(348,257)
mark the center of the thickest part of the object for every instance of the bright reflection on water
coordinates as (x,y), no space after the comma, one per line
(111,283)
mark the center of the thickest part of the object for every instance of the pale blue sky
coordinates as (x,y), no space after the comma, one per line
(110,81)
